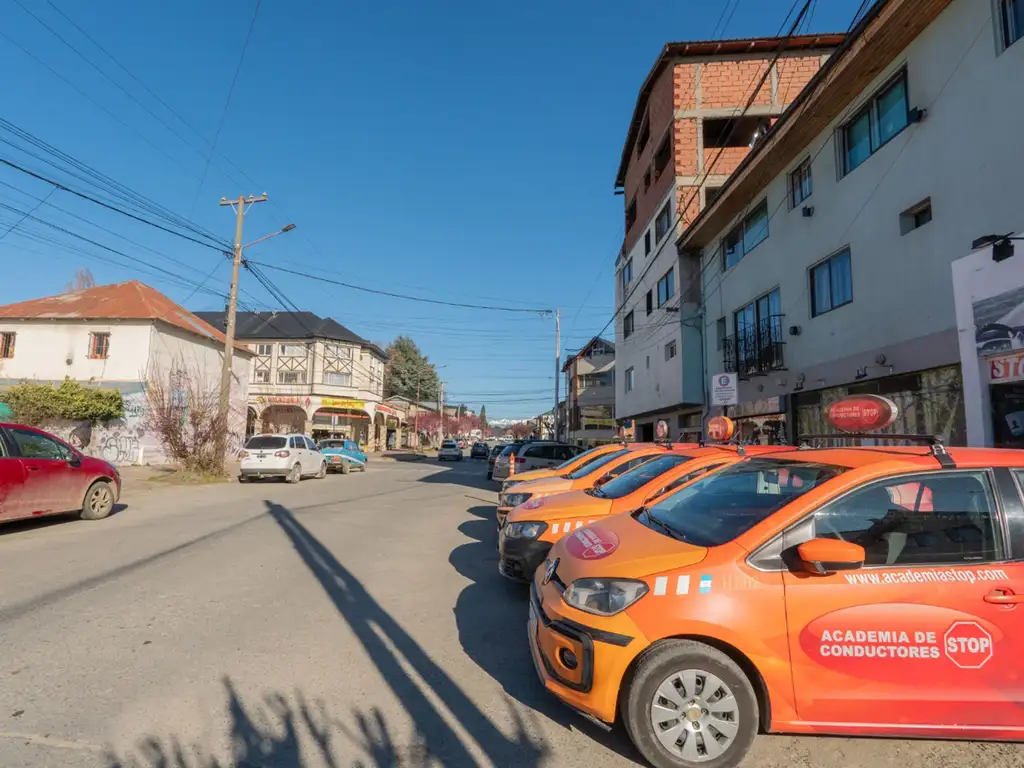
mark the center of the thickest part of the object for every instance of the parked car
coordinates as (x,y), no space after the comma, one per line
(535,454)
(343,455)
(291,457)
(479,451)
(40,474)
(449,451)
(495,451)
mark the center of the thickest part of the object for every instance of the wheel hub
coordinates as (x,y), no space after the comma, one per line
(695,715)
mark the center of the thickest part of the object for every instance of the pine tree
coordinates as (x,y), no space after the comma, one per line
(483,417)
(407,368)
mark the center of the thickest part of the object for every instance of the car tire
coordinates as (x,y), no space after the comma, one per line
(323,471)
(99,501)
(243,479)
(673,663)
(490,475)
(345,468)
(295,475)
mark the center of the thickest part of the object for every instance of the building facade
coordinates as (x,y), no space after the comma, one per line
(825,260)
(312,375)
(687,135)
(590,394)
(123,336)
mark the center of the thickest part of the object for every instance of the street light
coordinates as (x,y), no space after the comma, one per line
(285,228)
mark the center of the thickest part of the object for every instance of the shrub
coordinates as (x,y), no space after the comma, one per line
(34,403)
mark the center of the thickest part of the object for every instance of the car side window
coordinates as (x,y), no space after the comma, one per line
(295,442)
(564,453)
(536,452)
(33,445)
(627,465)
(311,445)
(940,518)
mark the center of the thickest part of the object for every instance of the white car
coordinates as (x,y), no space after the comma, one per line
(291,457)
(449,451)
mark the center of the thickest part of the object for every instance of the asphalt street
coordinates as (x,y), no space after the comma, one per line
(353,621)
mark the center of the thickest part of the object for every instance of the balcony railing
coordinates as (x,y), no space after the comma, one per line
(756,350)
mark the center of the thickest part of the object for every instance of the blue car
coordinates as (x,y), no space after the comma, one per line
(343,455)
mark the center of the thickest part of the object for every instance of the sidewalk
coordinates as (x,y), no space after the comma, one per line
(135,480)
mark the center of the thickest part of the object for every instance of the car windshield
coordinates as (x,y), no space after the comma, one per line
(449,444)
(640,476)
(588,453)
(266,442)
(720,506)
(593,466)
(330,444)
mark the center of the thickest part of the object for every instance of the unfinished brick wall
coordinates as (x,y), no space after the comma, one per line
(729,83)
(794,72)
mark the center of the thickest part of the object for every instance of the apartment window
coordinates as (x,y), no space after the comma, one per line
(745,237)
(831,283)
(663,223)
(292,350)
(662,156)
(648,365)
(800,186)
(627,326)
(338,379)
(916,216)
(734,132)
(264,350)
(650,302)
(670,350)
(7,345)
(647,179)
(99,346)
(644,137)
(710,193)
(884,116)
(627,274)
(758,346)
(666,288)
(647,243)
(261,377)
(291,377)
(1012,17)
(721,331)
(631,214)
(629,379)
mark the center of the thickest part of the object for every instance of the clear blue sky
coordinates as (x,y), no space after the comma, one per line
(453,149)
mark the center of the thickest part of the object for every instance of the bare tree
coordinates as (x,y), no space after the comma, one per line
(184,412)
(83,279)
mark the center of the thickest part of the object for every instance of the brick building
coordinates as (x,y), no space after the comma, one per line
(685,137)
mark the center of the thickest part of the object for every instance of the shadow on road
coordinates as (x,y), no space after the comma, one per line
(15,527)
(470,473)
(491,617)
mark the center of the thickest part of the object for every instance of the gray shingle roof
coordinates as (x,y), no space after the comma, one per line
(259,326)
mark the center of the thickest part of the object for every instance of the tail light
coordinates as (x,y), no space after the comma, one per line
(283,454)
(520,460)
(242,454)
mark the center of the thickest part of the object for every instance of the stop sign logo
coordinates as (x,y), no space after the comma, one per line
(968,644)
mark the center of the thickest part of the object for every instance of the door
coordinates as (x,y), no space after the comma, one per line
(315,457)
(12,480)
(49,478)
(913,638)
(297,445)
(536,457)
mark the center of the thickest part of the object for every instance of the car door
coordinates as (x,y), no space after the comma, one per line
(12,482)
(918,636)
(534,457)
(49,478)
(316,458)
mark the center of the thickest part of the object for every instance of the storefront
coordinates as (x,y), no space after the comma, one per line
(341,418)
(930,403)
(761,422)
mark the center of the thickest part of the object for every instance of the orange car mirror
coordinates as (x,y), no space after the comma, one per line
(825,556)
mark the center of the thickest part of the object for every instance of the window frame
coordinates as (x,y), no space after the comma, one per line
(630,379)
(628,325)
(284,346)
(99,345)
(631,214)
(802,173)
(1008,31)
(647,242)
(818,265)
(664,149)
(260,347)
(666,214)
(673,347)
(337,373)
(650,302)
(256,376)
(739,233)
(627,273)
(8,339)
(870,109)
(65,451)
(298,375)
(669,279)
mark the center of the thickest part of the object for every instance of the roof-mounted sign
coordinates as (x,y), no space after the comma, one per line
(862,413)
(721,429)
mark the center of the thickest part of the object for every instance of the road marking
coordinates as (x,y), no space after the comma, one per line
(660,585)
(683,585)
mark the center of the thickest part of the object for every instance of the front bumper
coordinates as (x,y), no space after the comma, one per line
(518,558)
(602,658)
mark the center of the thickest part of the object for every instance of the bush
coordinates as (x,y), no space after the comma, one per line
(35,403)
(184,412)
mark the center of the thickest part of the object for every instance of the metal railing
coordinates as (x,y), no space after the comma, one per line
(755,350)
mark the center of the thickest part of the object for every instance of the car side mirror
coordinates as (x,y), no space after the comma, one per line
(824,556)
(74,459)
(602,480)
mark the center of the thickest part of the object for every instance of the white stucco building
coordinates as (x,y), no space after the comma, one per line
(825,259)
(118,337)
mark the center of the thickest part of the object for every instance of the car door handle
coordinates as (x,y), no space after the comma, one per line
(33,469)
(1004,597)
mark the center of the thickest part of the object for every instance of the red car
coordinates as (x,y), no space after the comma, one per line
(40,474)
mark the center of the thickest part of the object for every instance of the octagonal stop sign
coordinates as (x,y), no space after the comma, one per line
(968,644)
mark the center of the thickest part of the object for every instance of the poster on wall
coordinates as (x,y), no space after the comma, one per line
(724,389)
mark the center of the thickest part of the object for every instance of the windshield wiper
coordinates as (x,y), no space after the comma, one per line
(668,529)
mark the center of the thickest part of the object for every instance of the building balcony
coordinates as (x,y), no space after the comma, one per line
(756,350)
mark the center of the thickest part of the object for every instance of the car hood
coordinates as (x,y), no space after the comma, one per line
(533,474)
(545,485)
(549,508)
(620,547)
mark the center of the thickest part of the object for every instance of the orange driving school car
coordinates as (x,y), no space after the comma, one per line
(604,468)
(531,528)
(843,590)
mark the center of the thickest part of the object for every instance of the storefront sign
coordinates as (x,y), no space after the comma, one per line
(762,407)
(724,389)
(1006,368)
(720,428)
(591,422)
(385,409)
(338,402)
(862,413)
(281,400)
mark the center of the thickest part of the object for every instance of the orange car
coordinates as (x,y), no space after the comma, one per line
(864,591)
(531,528)
(606,467)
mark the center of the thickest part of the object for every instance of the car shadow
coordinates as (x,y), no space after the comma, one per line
(491,615)
(25,525)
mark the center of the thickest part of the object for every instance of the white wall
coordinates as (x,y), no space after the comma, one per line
(42,348)
(966,155)
(367,372)
(660,385)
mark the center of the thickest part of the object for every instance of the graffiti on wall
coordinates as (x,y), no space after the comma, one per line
(119,441)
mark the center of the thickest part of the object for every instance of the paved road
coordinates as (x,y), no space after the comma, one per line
(353,621)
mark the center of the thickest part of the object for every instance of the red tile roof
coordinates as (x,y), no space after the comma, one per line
(120,301)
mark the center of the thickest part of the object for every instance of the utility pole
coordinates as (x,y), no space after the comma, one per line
(229,333)
(558,370)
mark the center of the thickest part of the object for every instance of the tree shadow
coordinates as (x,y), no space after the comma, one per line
(491,616)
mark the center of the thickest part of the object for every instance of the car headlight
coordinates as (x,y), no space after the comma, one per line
(525,530)
(604,597)
(515,499)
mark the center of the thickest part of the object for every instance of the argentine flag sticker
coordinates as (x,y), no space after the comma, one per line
(705,584)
